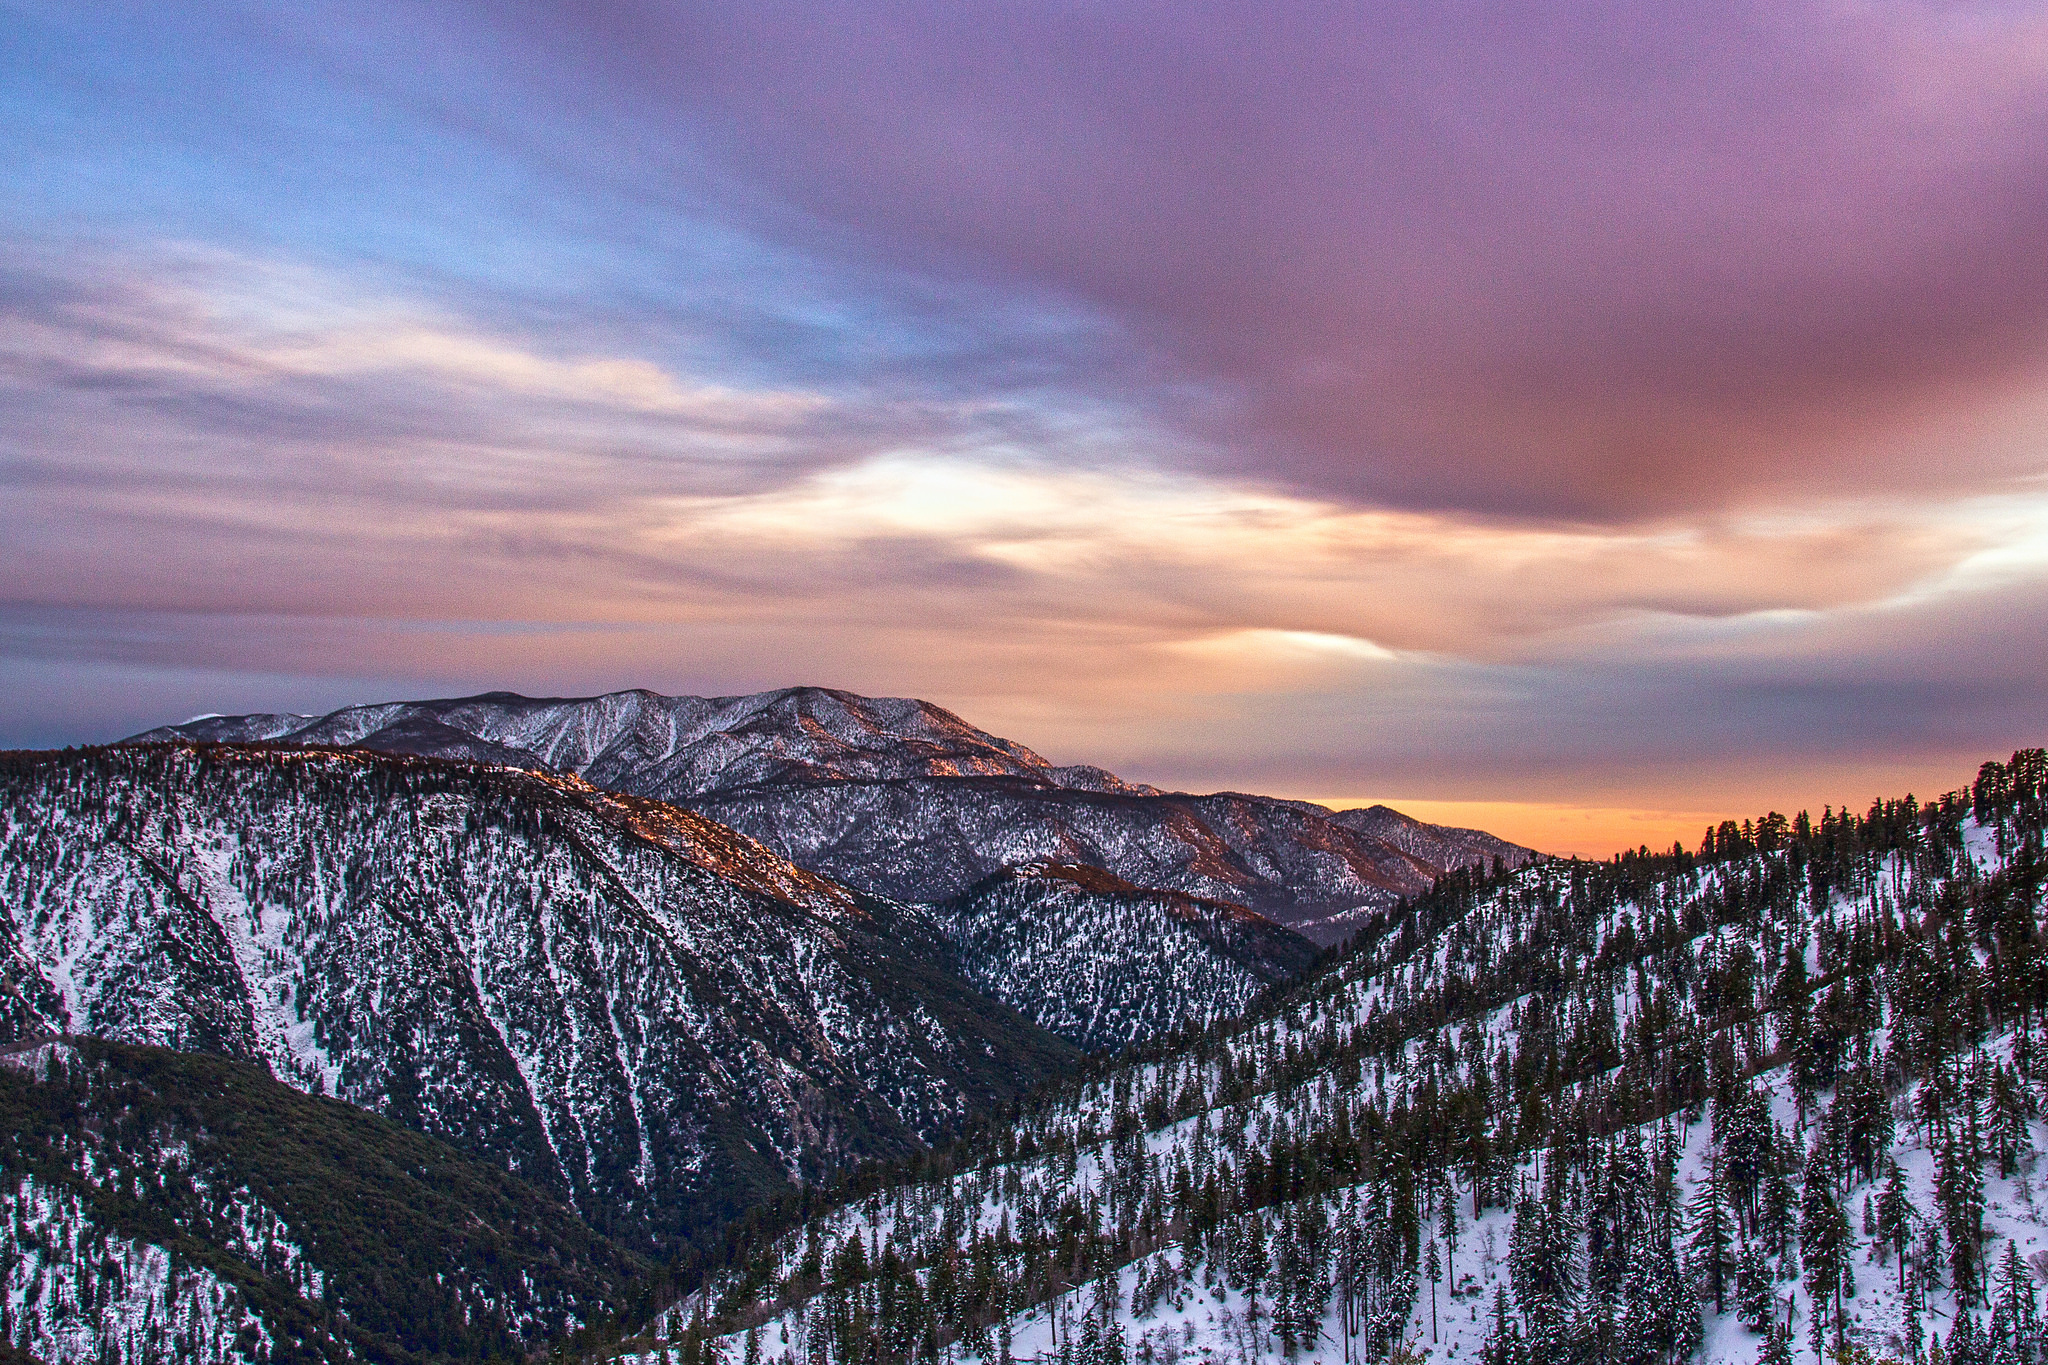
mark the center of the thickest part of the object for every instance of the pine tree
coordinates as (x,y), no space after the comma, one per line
(1709,1261)
(1895,1218)
(1504,1343)
(1090,1352)
(1755,1300)
(1248,1262)
(1433,1268)
(1777,1222)
(1959,1185)
(2018,1307)
(1964,1346)
(1114,1350)
(1447,1229)
(1823,1246)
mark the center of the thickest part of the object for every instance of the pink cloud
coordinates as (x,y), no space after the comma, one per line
(1605,261)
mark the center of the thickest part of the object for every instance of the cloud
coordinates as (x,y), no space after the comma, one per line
(1598,262)
(1623,406)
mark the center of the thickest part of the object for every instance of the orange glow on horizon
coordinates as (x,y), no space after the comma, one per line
(1555,827)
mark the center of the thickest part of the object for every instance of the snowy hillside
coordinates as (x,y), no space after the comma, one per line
(904,799)
(624,1003)
(1105,964)
(167,1207)
(1778,1095)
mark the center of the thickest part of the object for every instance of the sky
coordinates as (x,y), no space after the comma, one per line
(1582,421)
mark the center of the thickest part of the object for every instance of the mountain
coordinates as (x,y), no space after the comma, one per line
(901,798)
(1105,964)
(1777,1099)
(627,1005)
(164,1206)
(672,748)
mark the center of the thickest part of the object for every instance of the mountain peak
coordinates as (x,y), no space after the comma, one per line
(687,746)
(900,797)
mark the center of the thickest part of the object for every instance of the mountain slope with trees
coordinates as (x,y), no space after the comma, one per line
(1772,1098)
(166,1206)
(628,1005)
(1105,964)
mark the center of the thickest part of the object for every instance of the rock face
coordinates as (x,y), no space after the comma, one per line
(621,1002)
(1105,964)
(904,799)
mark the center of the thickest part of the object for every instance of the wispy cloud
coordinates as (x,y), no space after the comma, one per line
(1638,406)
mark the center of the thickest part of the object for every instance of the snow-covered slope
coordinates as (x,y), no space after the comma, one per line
(159,1206)
(676,748)
(1105,964)
(904,799)
(1642,1111)
(623,1002)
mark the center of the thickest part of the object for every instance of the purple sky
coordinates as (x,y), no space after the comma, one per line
(1631,411)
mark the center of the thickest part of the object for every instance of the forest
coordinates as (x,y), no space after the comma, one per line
(1773,1098)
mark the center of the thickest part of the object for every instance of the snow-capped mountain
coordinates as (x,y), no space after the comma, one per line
(1778,1099)
(673,748)
(904,799)
(621,1002)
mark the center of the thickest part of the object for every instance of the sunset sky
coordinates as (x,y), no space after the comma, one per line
(1584,421)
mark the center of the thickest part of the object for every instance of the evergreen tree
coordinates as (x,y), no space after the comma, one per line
(2018,1310)
(1823,1248)
(1447,1229)
(1709,1261)
(1113,1350)
(1895,1218)
(1777,1223)
(1249,1263)
(1965,1345)
(1432,1267)
(1504,1343)
(1755,1300)
(1542,1249)
(1959,1186)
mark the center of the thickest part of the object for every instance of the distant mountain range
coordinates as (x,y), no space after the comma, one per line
(904,799)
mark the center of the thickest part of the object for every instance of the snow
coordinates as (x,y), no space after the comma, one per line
(110,1301)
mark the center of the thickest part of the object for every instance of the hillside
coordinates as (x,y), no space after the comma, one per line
(1647,1110)
(630,1006)
(904,799)
(1105,964)
(163,1206)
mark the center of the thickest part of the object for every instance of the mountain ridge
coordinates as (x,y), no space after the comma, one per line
(625,1003)
(902,798)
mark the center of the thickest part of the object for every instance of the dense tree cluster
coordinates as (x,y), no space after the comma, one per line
(1537,1041)
(170,1207)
